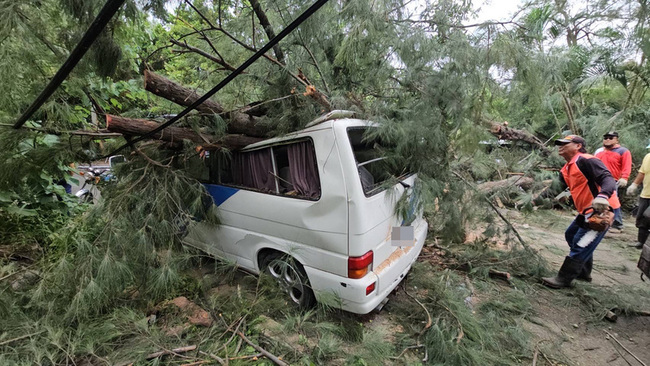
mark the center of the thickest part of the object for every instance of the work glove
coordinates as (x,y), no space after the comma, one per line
(622,183)
(631,189)
(600,204)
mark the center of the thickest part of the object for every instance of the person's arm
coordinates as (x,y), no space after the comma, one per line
(633,187)
(626,165)
(596,172)
(598,176)
(645,168)
(562,182)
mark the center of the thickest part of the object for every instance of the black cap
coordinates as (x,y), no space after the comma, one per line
(611,134)
(570,138)
(573,138)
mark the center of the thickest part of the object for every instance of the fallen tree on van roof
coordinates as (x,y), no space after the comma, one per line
(135,126)
(246,122)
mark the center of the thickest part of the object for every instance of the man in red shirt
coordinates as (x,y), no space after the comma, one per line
(591,185)
(619,162)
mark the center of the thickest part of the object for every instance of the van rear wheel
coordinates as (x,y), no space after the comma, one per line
(291,277)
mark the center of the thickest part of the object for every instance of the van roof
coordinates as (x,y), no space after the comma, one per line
(326,121)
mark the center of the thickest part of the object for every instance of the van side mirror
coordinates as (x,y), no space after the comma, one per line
(115,160)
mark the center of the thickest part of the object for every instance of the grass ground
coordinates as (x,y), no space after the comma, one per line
(451,310)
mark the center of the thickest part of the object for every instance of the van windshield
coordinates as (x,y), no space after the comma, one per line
(376,169)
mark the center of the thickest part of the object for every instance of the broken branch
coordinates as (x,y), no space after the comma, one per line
(133,126)
(502,131)
(622,346)
(521,240)
(238,123)
(266,353)
(19,338)
(170,352)
(501,275)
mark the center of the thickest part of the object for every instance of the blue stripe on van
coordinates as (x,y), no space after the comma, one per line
(220,194)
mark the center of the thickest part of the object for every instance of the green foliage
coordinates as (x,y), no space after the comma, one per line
(460,335)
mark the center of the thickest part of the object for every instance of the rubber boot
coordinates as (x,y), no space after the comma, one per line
(568,272)
(585,273)
(642,237)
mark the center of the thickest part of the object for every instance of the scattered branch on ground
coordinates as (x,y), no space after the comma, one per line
(622,346)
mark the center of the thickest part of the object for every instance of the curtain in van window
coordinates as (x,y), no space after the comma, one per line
(303,170)
(254,169)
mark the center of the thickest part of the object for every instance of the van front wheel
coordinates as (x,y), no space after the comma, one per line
(291,277)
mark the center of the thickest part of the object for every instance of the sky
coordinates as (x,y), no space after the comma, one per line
(496,9)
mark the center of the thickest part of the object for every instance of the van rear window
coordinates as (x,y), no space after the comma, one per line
(375,169)
(287,169)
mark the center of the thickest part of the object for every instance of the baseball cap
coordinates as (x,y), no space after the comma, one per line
(570,138)
(611,134)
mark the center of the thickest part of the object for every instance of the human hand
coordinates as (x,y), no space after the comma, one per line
(622,183)
(600,204)
(631,189)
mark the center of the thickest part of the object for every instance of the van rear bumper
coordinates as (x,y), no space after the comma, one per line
(350,294)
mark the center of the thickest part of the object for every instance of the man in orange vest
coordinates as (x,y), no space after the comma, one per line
(619,162)
(591,185)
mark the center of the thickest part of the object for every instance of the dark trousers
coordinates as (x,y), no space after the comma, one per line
(643,222)
(582,242)
(618,213)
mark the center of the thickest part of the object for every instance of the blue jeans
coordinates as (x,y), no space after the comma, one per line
(618,216)
(573,236)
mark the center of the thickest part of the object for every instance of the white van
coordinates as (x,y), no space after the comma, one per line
(311,210)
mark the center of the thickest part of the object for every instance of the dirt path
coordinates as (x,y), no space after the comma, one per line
(563,329)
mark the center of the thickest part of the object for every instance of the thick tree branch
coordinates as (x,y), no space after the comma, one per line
(99,134)
(139,127)
(268,29)
(504,132)
(238,123)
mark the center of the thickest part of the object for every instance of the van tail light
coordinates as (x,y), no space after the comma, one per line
(359,266)
(370,288)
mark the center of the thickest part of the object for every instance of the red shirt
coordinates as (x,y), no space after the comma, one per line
(618,160)
(587,177)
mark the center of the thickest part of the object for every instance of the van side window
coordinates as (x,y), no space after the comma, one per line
(373,168)
(254,169)
(303,171)
(286,169)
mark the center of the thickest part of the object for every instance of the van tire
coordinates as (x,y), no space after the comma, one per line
(291,277)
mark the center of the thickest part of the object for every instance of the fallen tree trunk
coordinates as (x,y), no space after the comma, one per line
(519,181)
(139,127)
(238,122)
(502,131)
(178,94)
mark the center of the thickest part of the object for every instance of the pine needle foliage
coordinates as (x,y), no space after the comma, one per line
(126,250)
(489,333)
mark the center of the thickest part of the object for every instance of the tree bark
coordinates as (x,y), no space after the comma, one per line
(268,29)
(503,132)
(163,87)
(138,127)
(238,123)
